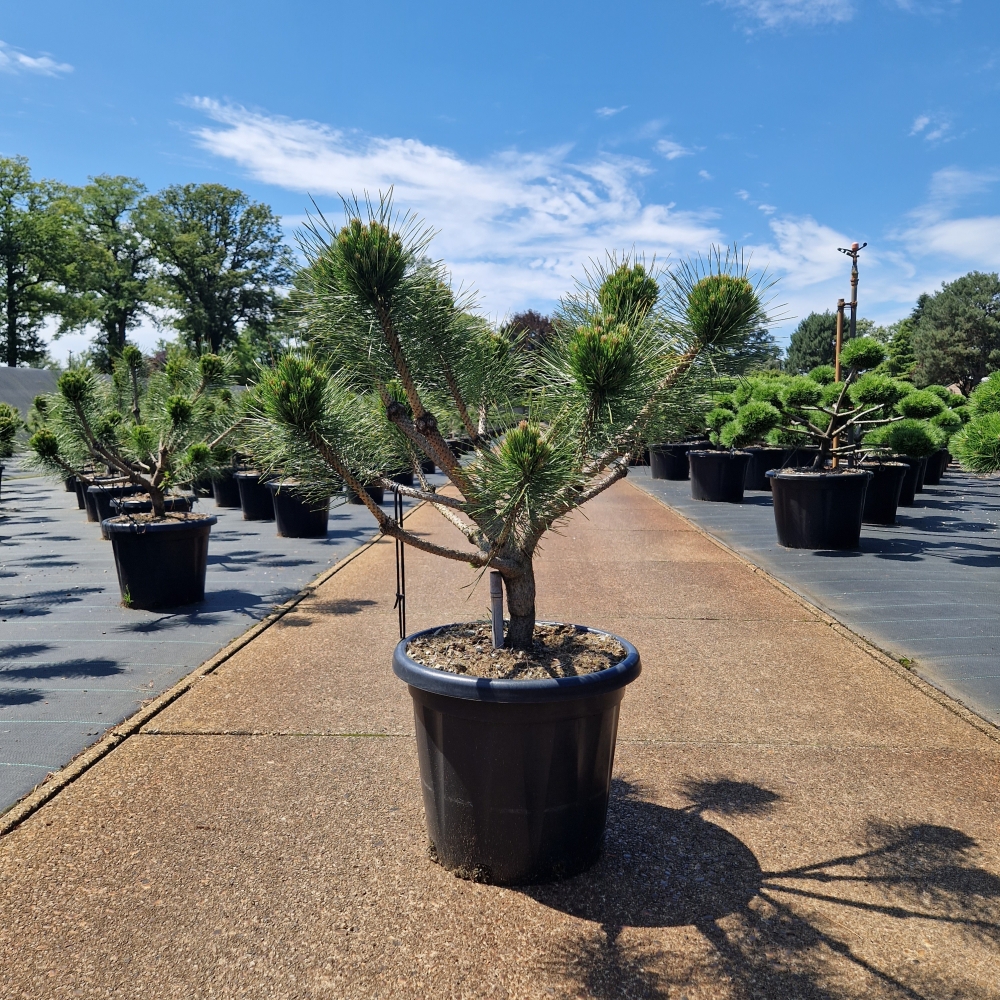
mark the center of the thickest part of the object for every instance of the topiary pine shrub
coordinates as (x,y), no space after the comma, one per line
(394,355)
(840,419)
(154,429)
(977,444)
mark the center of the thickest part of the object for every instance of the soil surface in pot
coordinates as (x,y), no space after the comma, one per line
(559,651)
(170,516)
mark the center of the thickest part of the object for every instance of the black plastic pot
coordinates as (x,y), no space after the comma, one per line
(90,499)
(427,466)
(907,494)
(81,496)
(161,564)
(882,495)
(296,517)
(641,459)
(935,468)
(255,497)
(101,496)
(70,483)
(226,490)
(718,475)
(516,774)
(181,504)
(920,474)
(819,510)
(375,492)
(202,486)
(404,477)
(669,461)
(762,460)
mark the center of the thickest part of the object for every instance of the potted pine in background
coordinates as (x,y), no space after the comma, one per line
(515,753)
(822,507)
(154,429)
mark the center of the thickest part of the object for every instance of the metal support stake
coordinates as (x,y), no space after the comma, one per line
(400,605)
(496,607)
(836,366)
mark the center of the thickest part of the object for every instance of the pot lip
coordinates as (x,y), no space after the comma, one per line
(892,462)
(690,445)
(830,474)
(727,452)
(516,692)
(128,527)
(108,487)
(250,474)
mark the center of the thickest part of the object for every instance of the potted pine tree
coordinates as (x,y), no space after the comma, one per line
(977,444)
(154,429)
(515,752)
(822,507)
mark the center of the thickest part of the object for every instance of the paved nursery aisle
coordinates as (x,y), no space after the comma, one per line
(73,661)
(924,589)
(792,818)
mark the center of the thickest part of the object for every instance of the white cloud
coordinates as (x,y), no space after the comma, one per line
(609,112)
(932,128)
(673,150)
(704,175)
(518,226)
(781,13)
(13,60)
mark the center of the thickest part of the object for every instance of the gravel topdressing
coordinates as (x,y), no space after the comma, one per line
(559,651)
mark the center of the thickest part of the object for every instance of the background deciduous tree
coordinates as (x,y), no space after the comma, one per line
(956,332)
(113,282)
(222,258)
(35,258)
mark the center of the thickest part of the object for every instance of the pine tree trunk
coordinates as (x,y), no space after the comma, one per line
(521,607)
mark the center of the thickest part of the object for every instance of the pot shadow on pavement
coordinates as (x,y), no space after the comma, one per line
(664,867)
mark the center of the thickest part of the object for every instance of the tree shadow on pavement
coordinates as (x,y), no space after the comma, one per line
(673,868)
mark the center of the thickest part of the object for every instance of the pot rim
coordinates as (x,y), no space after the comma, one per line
(724,452)
(510,691)
(127,526)
(813,474)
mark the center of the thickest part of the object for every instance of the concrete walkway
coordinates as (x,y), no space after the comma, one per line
(924,589)
(794,816)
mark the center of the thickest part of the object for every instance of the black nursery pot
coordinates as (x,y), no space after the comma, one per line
(516,775)
(718,475)
(882,495)
(908,493)
(70,483)
(375,492)
(669,461)
(89,494)
(936,464)
(427,466)
(762,460)
(226,489)
(296,516)
(255,497)
(161,564)
(180,504)
(819,510)
(404,477)
(103,495)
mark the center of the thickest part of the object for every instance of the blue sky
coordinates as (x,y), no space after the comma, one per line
(536,135)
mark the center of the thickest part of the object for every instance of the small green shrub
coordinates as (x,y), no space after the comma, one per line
(824,374)
(920,405)
(985,398)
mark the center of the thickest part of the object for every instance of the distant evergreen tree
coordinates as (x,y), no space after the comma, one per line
(812,343)
(956,332)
